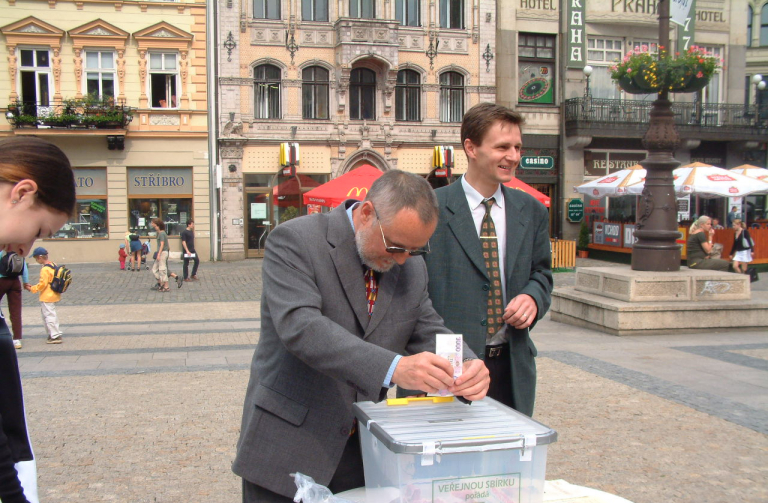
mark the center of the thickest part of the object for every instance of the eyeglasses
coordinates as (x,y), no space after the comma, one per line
(399,249)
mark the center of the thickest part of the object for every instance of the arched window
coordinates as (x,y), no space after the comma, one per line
(764,26)
(408,96)
(362,9)
(266,86)
(362,94)
(451,97)
(314,93)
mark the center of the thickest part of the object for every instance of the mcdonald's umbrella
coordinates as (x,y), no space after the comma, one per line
(287,193)
(709,181)
(626,182)
(514,183)
(351,185)
(752,172)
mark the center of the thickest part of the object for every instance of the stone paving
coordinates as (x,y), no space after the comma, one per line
(142,402)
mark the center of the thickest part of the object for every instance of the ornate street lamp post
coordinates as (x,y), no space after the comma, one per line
(759,83)
(656,248)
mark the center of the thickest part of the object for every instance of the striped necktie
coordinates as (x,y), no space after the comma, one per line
(491,256)
(371,289)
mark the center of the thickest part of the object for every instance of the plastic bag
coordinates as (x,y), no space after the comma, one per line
(310,491)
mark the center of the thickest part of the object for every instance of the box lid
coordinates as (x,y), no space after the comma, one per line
(427,427)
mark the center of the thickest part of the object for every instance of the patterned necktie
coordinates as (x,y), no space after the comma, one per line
(491,256)
(371,289)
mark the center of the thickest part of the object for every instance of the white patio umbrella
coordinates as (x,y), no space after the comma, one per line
(626,182)
(709,181)
(753,172)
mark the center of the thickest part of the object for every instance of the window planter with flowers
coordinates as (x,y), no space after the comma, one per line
(89,112)
(641,72)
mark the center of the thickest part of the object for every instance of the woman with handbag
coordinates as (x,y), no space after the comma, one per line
(37,195)
(741,253)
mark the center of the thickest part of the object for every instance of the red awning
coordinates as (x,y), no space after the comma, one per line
(517,184)
(351,185)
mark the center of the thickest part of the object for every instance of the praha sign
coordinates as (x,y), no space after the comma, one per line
(537,162)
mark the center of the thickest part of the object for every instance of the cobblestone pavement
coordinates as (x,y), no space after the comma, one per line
(142,402)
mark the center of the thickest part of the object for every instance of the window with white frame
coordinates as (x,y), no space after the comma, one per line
(100,73)
(314,93)
(266,9)
(451,97)
(452,14)
(601,54)
(35,80)
(711,93)
(163,79)
(266,83)
(408,96)
(314,10)
(407,12)
(362,9)
(764,26)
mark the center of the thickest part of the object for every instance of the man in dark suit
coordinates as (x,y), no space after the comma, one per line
(330,337)
(518,269)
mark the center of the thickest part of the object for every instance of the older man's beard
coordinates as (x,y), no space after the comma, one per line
(362,239)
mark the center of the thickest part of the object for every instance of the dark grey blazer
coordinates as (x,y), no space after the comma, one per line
(319,352)
(458,281)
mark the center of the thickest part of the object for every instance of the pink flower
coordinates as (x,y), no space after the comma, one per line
(699,75)
(644,48)
(629,70)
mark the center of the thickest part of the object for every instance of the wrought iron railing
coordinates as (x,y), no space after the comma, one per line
(71,113)
(629,112)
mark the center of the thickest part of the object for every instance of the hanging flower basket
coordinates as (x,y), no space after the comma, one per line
(641,72)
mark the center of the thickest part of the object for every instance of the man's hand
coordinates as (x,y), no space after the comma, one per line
(424,371)
(473,382)
(521,311)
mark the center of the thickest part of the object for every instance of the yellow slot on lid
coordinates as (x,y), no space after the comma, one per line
(410,399)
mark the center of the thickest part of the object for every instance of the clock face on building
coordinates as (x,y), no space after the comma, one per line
(535,83)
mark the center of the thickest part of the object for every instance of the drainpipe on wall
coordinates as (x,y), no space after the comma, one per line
(213,126)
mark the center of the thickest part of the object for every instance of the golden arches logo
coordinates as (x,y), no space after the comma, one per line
(358,191)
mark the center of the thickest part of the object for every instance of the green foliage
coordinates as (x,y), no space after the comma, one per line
(583,242)
(289,213)
(656,71)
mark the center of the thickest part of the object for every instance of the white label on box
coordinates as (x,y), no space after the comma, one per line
(503,488)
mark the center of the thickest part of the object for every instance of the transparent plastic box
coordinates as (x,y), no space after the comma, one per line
(439,450)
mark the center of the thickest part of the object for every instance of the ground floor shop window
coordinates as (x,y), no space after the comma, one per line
(88,221)
(174,212)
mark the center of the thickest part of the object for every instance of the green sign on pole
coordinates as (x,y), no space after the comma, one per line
(575,210)
(537,162)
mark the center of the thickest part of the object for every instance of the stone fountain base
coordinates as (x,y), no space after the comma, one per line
(621,301)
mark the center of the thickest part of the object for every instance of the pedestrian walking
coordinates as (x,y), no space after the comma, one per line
(37,195)
(160,267)
(188,243)
(48,298)
(11,285)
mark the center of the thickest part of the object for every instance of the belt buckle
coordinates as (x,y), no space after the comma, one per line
(494,352)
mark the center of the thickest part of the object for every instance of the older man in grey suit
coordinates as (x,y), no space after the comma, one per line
(332,333)
(491,239)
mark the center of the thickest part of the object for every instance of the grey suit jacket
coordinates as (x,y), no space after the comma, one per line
(458,280)
(319,352)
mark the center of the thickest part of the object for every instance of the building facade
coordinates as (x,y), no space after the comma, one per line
(121,88)
(377,82)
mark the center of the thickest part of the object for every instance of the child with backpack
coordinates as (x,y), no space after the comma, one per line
(13,273)
(48,296)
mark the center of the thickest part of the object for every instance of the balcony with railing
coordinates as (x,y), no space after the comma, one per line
(84,115)
(630,119)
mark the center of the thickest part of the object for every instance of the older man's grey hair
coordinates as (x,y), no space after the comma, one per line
(396,190)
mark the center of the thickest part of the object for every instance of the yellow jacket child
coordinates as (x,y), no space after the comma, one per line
(48,298)
(44,286)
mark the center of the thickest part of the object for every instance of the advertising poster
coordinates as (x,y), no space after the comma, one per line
(536,83)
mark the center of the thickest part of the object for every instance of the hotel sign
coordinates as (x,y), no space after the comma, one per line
(577,39)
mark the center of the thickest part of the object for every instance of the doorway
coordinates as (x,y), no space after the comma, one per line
(258,217)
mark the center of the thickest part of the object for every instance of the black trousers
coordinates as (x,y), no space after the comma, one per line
(194,267)
(349,475)
(497,360)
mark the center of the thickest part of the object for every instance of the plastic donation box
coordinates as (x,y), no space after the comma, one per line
(439,450)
